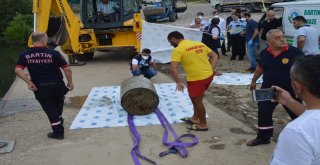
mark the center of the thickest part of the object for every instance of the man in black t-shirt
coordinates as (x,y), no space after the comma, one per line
(270,23)
(46,80)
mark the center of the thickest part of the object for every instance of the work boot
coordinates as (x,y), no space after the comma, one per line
(58,132)
(53,135)
(62,120)
(258,141)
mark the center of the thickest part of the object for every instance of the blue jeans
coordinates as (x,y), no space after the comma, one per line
(147,73)
(252,54)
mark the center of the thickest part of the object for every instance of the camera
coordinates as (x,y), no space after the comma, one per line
(264,94)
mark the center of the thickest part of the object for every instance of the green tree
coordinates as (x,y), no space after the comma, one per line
(9,8)
(19,29)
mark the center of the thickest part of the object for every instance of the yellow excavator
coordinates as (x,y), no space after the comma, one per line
(81,36)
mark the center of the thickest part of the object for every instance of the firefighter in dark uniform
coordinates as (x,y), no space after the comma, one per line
(237,33)
(46,80)
(274,63)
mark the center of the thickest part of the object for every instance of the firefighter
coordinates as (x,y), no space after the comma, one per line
(46,80)
(274,64)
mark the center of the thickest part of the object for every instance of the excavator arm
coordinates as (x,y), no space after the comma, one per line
(67,29)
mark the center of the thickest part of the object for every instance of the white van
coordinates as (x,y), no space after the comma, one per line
(286,11)
(248,5)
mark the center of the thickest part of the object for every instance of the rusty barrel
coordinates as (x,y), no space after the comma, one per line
(138,96)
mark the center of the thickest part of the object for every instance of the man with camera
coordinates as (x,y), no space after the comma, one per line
(274,63)
(299,141)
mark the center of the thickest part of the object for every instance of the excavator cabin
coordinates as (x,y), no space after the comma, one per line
(106,14)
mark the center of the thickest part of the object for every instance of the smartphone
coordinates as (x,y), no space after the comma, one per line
(264,94)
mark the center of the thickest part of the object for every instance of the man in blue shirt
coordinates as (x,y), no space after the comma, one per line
(252,40)
(106,10)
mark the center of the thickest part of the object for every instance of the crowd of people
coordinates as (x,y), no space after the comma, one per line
(292,71)
(247,37)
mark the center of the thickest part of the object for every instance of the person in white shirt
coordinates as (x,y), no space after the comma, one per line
(306,37)
(202,20)
(299,141)
(197,24)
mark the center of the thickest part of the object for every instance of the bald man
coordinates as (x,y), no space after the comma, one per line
(270,23)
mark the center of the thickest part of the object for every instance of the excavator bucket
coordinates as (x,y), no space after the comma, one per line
(57,31)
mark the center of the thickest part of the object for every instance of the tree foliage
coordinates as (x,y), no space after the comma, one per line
(19,29)
(9,8)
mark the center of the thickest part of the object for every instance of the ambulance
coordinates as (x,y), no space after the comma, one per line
(286,11)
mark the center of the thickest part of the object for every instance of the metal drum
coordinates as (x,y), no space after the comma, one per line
(138,96)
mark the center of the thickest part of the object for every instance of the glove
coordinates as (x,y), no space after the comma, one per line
(221,36)
(250,42)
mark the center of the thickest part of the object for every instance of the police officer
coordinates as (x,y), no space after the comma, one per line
(274,64)
(46,80)
(237,30)
(228,20)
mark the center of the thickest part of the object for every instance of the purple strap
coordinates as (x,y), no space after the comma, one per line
(135,151)
(175,147)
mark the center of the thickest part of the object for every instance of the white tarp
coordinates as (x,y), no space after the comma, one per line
(154,37)
(102,108)
(234,79)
